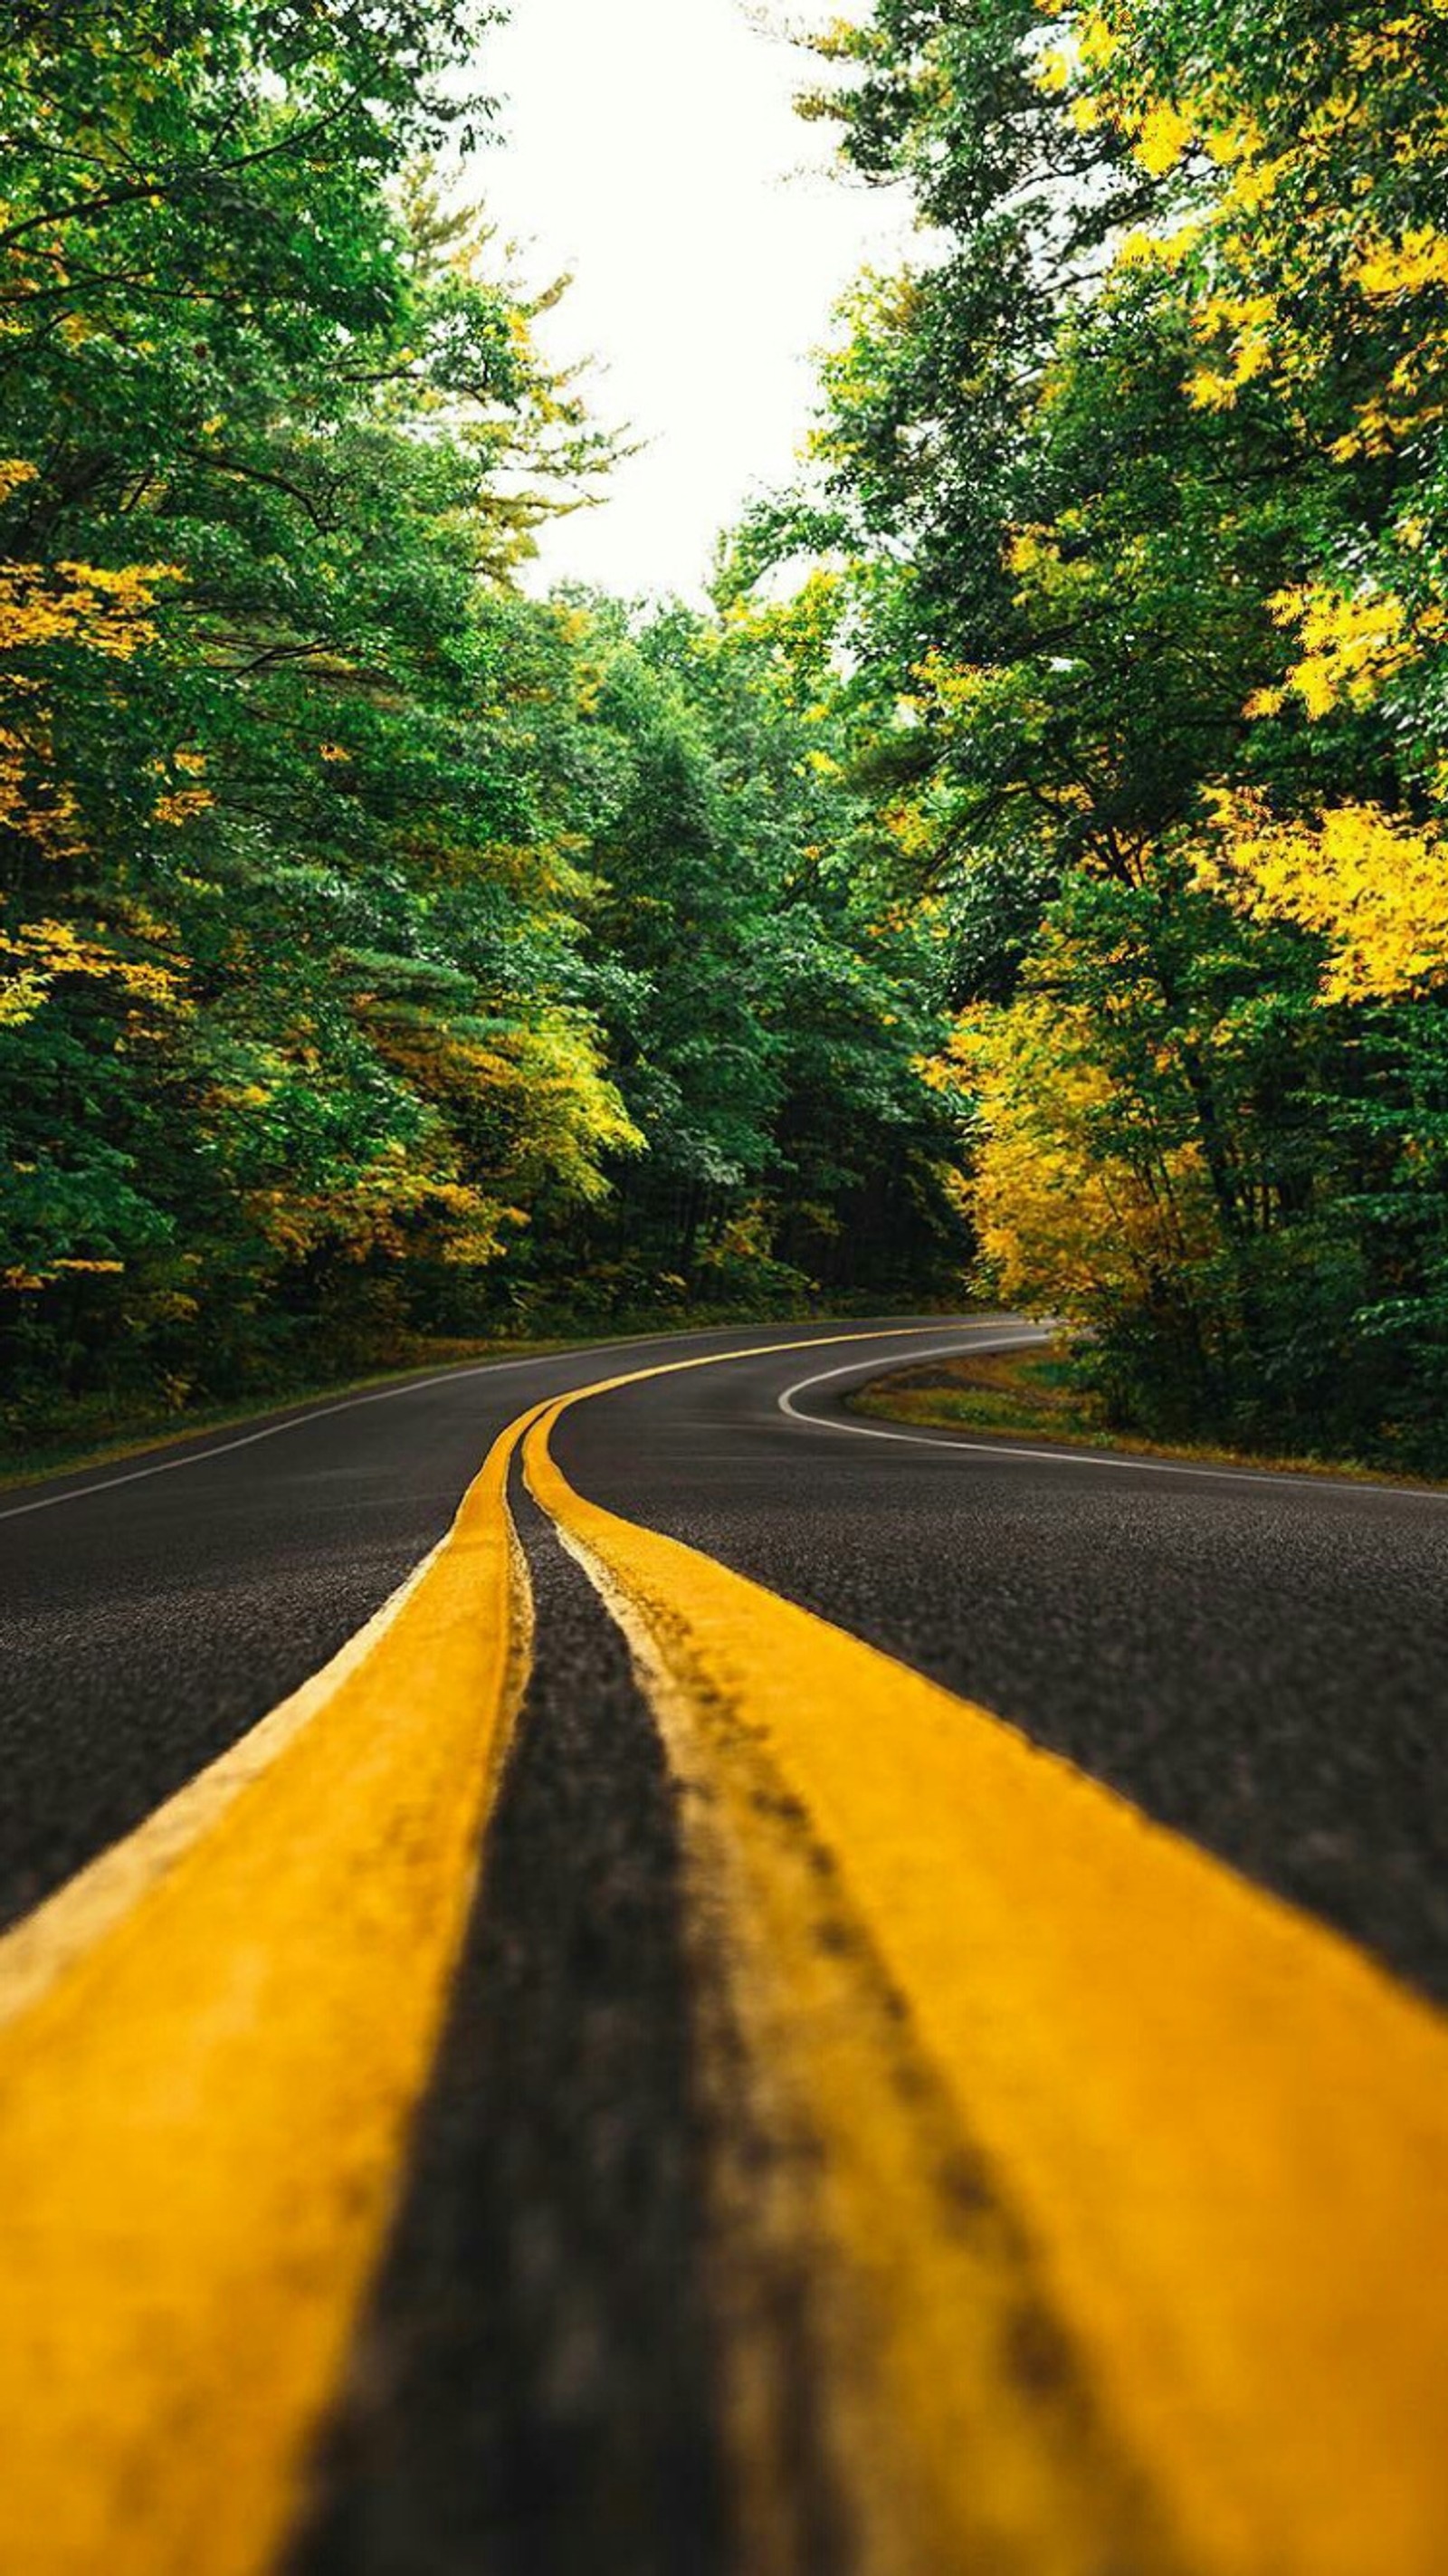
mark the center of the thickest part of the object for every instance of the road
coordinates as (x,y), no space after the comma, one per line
(832,2136)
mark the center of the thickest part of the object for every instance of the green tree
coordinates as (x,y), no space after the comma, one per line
(1139,469)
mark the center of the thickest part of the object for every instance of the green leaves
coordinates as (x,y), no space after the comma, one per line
(1140,469)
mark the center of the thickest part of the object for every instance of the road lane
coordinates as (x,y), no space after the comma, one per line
(535,2385)
(1220,2133)
(852,1995)
(153,1611)
(208,2099)
(1260,1662)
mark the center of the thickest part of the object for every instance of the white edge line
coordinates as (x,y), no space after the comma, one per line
(347,1404)
(1006,1449)
(272,1431)
(38,1949)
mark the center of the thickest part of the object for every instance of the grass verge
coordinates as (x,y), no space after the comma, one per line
(1035,1395)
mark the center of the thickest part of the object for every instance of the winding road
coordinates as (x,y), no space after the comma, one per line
(776,1992)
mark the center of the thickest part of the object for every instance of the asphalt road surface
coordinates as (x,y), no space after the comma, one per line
(1261,1662)
(539,2383)
(150,1617)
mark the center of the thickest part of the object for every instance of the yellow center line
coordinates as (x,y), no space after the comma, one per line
(205,2109)
(211,2047)
(1224,2129)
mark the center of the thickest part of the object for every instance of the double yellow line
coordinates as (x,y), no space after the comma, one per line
(1129,2182)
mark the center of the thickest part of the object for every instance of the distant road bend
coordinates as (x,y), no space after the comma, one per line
(939,2067)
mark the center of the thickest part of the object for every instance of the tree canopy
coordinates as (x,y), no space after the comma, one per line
(1032,868)
(385,951)
(1137,474)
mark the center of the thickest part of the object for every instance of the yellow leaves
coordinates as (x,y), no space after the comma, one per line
(334,752)
(21,996)
(1383,270)
(1373,435)
(913,830)
(1279,228)
(1208,390)
(955,687)
(1352,645)
(1374,885)
(1234,313)
(1097,41)
(1162,138)
(90,608)
(240,1096)
(97,609)
(395,1208)
(45,952)
(1141,249)
(1072,1196)
(32,801)
(1248,321)
(1312,679)
(1253,355)
(1035,555)
(26,1282)
(1237,139)
(1255,183)
(14,472)
(182,805)
(1087,48)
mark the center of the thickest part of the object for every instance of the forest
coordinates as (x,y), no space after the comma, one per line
(1028,879)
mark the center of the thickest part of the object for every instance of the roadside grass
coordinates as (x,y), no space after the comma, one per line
(1034,1394)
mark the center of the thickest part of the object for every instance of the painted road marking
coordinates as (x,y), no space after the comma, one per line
(323,1413)
(272,1431)
(385,1395)
(206,2109)
(39,1949)
(876,2309)
(214,2043)
(1224,2129)
(1004,1448)
(208,2096)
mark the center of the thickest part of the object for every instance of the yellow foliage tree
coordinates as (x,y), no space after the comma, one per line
(1077,1198)
(1372,884)
(88,607)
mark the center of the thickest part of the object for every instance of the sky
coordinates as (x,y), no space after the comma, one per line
(649,146)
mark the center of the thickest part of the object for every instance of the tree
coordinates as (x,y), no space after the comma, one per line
(1139,469)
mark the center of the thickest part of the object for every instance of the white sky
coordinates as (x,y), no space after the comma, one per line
(650,147)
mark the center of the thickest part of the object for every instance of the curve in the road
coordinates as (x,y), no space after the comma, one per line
(1088,2263)
(213,2040)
